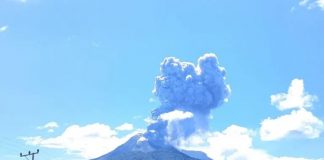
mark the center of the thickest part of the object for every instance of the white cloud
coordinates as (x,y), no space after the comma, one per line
(50,126)
(88,141)
(125,127)
(152,100)
(311,4)
(320,3)
(299,123)
(21,1)
(303,2)
(233,143)
(149,120)
(3,28)
(173,126)
(176,115)
(236,143)
(220,145)
(295,98)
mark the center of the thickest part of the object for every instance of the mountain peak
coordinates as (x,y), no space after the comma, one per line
(138,147)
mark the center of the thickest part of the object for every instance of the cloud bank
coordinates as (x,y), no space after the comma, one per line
(233,143)
(88,141)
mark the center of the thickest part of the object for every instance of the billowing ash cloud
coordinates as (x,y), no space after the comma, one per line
(184,88)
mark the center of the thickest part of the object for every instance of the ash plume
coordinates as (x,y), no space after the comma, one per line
(187,94)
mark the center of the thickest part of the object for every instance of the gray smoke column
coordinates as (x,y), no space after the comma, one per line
(187,94)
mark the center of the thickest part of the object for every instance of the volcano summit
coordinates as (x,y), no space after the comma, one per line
(138,148)
(187,94)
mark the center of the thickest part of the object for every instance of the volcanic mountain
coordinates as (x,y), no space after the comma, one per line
(187,93)
(139,148)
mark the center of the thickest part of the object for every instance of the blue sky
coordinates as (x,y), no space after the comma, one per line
(94,62)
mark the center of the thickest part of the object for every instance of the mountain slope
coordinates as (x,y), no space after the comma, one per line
(196,154)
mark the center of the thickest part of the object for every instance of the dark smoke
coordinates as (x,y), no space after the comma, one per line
(187,94)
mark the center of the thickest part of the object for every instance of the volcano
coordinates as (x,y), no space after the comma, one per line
(139,148)
(187,93)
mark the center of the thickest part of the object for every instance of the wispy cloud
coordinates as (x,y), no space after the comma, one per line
(176,115)
(320,3)
(125,127)
(149,120)
(50,126)
(3,28)
(311,4)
